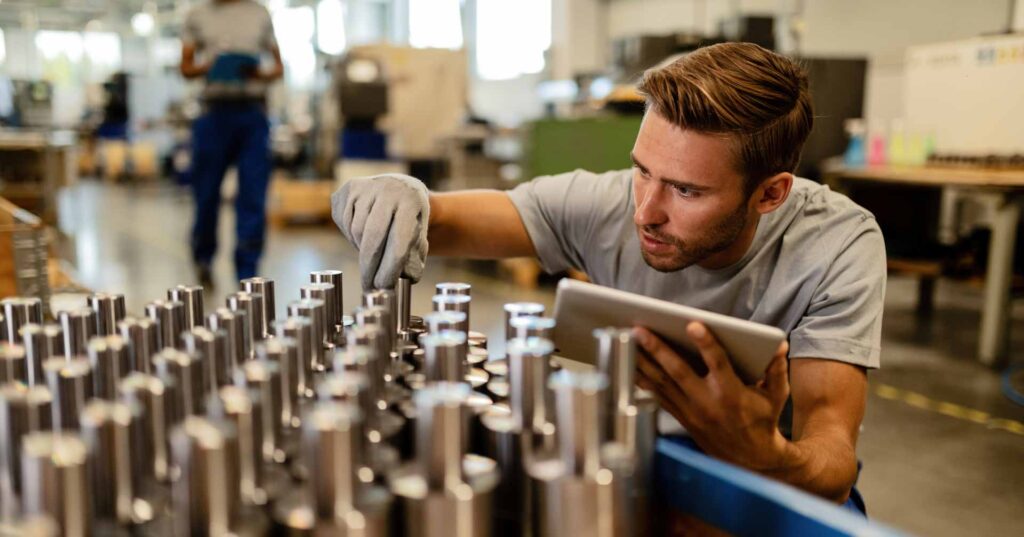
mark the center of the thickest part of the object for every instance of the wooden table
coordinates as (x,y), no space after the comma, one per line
(1006,188)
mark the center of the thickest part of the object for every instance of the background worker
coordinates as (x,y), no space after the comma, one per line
(710,216)
(227,43)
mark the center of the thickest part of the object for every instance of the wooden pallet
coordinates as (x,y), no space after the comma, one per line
(295,201)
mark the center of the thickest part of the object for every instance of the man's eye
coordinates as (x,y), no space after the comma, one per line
(642,171)
(685,192)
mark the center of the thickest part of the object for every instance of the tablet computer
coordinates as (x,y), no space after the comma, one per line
(581,307)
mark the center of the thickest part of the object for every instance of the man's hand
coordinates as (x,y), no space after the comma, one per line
(385,217)
(726,418)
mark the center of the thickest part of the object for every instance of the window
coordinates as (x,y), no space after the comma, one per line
(103,50)
(3,47)
(512,37)
(294,28)
(330,27)
(436,23)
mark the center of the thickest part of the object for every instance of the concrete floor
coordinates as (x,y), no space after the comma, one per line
(940,453)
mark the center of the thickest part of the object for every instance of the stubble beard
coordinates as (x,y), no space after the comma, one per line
(720,237)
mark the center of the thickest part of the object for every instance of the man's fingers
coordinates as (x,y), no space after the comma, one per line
(665,358)
(670,399)
(711,350)
(777,376)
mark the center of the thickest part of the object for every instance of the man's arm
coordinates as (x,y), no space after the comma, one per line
(189,68)
(481,224)
(828,406)
(277,69)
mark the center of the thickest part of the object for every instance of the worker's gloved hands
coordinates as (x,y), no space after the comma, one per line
(385,217)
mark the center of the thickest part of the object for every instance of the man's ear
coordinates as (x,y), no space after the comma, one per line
(772,192)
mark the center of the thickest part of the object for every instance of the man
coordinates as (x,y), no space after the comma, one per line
(224,41)
(710,216)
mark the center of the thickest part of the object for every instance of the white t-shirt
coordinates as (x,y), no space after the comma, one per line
(236,26)
(816,268)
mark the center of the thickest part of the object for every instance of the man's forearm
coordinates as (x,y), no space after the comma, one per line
(820,465)
(481,224)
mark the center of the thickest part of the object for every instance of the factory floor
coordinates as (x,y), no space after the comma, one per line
(943,450)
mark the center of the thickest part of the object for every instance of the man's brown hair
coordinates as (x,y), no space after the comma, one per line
(757,97)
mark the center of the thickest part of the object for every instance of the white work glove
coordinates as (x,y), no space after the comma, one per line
(385,217)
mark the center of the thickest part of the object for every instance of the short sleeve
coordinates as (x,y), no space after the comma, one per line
(562,212)
(844,317)
(190,34)
(268,40)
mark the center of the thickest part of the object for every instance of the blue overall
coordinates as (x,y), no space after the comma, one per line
(229,133)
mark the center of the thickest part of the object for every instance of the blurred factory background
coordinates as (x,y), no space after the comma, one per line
(919,117)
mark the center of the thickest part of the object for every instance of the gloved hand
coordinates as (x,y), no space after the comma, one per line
(385,217)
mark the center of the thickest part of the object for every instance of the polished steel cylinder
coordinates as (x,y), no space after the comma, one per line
(170,319)
(528,326)
(150,394)
(111,431)
(206,495)
(110,310)
(616,358)
(212,349)
(367,343)
(579,419)
(250,305)
(17,312)
(324,292)
(79,327)
(444,320)
(458,303)
(264,378)
(265,288)
(387,301)
(41,343)
(530,399)
(23,410)
(444,491)
(377,317)
(13,363)
(403,304)
(335,278)
(284,353)
(55,479)
(183,373)
(192,297)
(453,288)
(314,310)
(445,358)
(142,335)
(300,330)
(3,328)
(520,309)
(242,408)
(110,361)
(237,328)
(332,445)
(71,386)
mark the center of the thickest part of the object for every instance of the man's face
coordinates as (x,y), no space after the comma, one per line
(690,201)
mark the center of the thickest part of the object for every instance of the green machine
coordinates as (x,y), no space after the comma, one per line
(597,144)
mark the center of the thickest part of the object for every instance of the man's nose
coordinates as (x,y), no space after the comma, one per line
(649,209)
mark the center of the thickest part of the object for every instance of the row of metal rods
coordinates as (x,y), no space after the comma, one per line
(188,422)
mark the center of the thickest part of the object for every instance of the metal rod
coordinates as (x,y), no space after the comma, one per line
(241,407)
(616,358)
(335,278)
(265,288)
(192,297)
(41,343)
(143,338)
(387,301)
(454,288)
(183,372)
(529,397)
(55,476)
(170,318)
(150,393)
(108,429)
(79,327)
(284,353)
(362,354)
(578,419)
(19,311)
(110,362)
(314,310)
(264,378)
(13,363)
(403,303)
(236,326)
(520,309)
(440,433)
(529,326)
(206,496)
(110,310)
(458,303)
(332,445)
(70,383)
(212,349)
(300,329)
(251,304)
(445,357)
(23,410)
(377,317)
(325,293)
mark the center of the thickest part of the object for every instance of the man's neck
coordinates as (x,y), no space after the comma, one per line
(736,250)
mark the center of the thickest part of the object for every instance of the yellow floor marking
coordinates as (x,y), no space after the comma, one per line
(952,410)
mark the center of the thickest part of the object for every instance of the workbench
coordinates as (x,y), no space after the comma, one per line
(1004,188)
(33,165)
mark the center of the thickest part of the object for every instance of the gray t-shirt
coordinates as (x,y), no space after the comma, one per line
(239,26)
(816,268)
